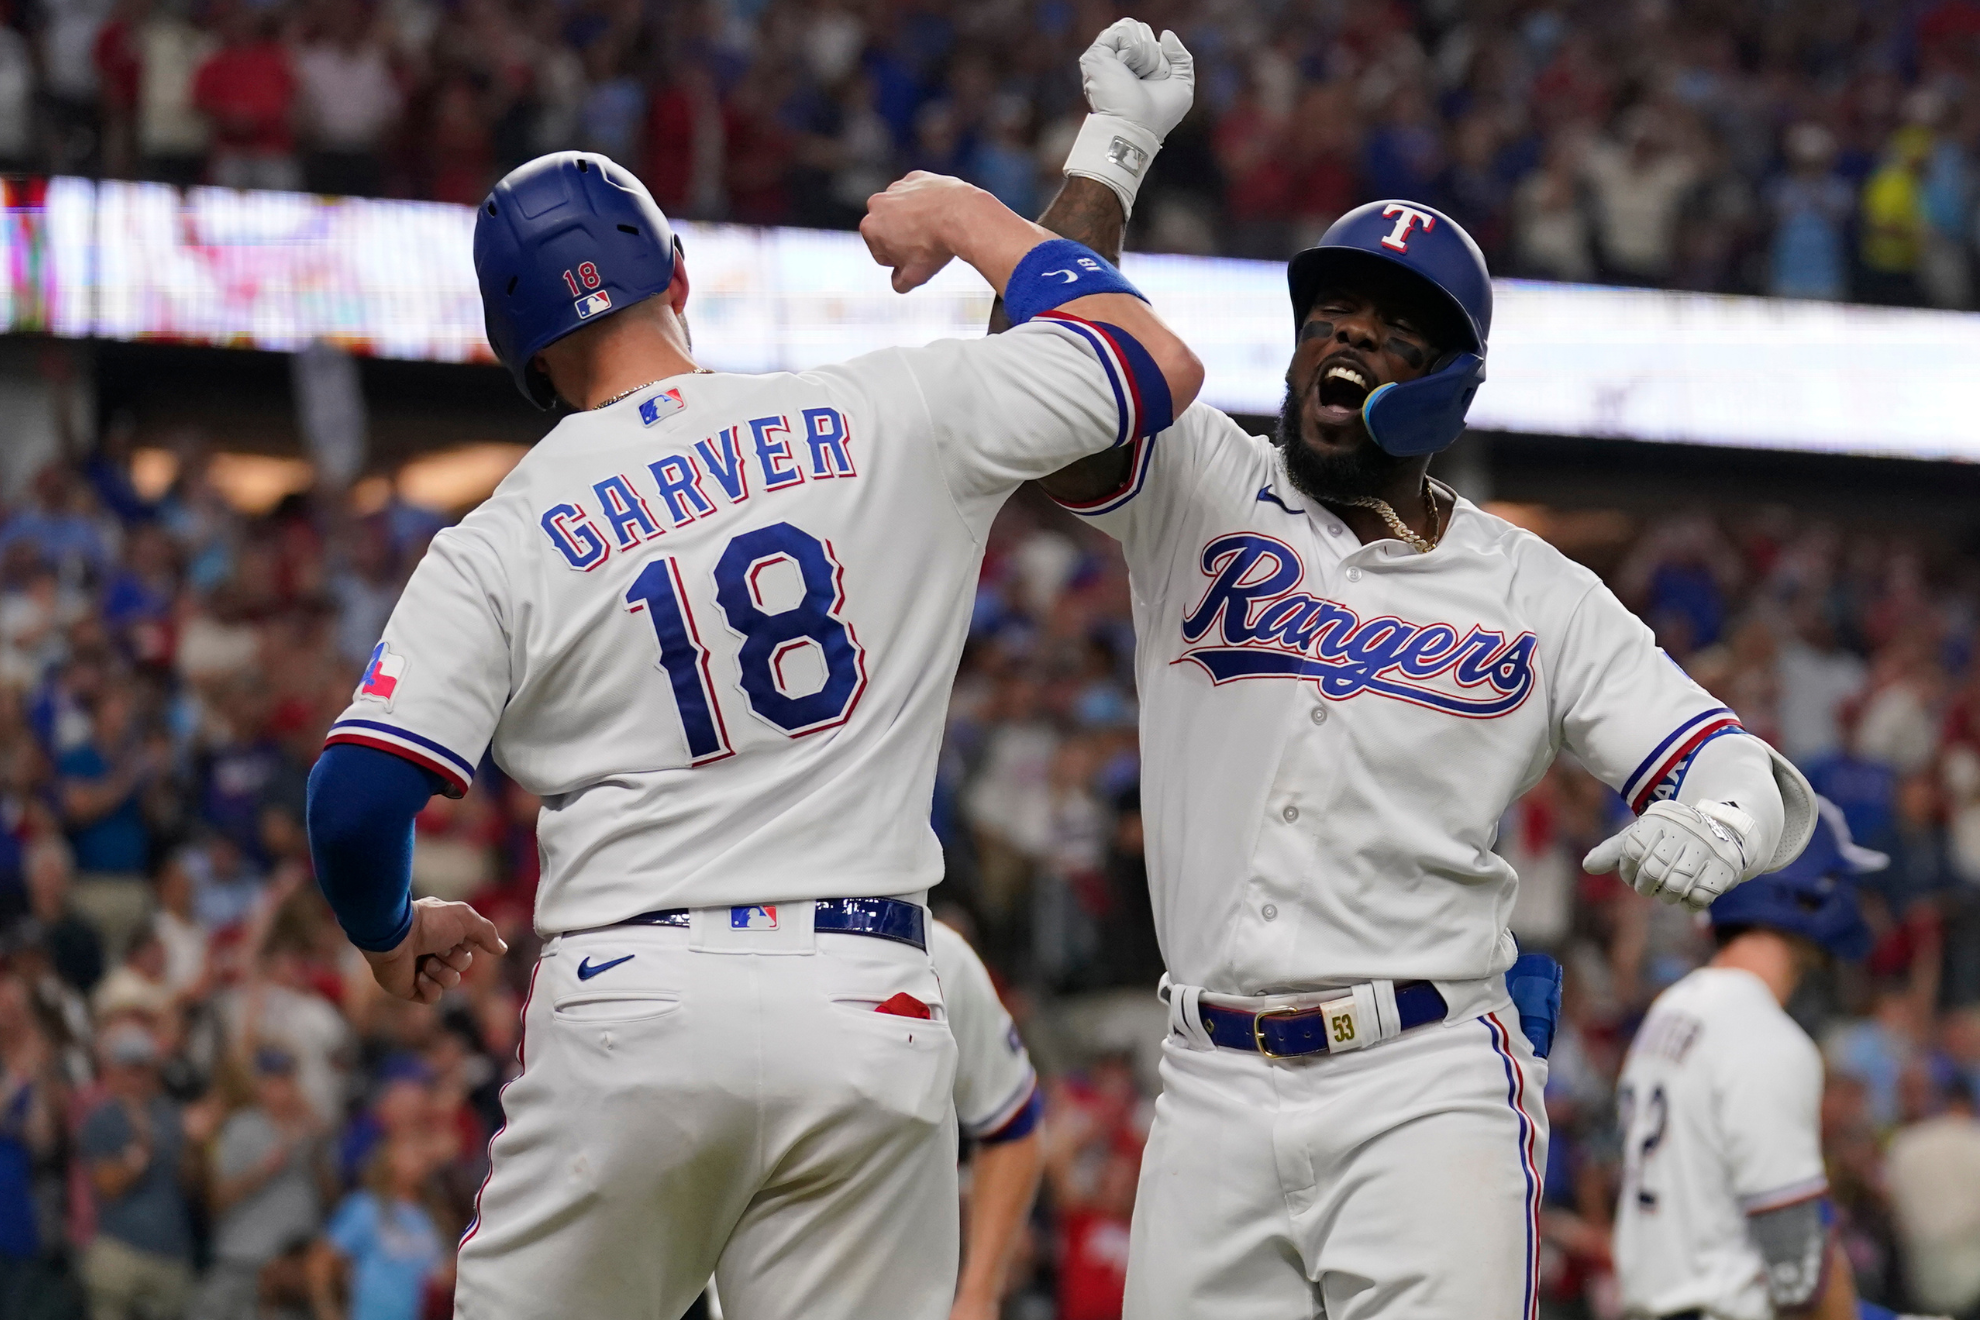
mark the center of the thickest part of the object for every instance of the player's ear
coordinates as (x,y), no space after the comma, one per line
(677,290)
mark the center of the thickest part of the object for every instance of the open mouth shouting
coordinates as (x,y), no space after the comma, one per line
(1344,384)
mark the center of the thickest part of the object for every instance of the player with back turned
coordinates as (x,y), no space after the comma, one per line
(712,620)
(1347,673)
(1723,1212)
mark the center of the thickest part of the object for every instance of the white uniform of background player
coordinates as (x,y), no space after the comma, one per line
(1321,804)
(714,625)
(1721,1112)
(1722,1213)
(994,1077)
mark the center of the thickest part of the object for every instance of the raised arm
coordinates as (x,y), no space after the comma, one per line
(1139,88)
(924,221)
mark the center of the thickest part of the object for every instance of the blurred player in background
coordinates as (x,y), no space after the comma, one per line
(998,1104)
(1723,1213)
(711,620)
(1347,674)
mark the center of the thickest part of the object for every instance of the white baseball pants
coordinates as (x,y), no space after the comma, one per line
(729,1103)
(1399,1182)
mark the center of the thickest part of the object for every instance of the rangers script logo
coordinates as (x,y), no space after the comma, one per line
(1268,630)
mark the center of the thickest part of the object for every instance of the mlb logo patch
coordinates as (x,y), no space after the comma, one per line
(593,305)
(664,404)
(762,917)
(381,675)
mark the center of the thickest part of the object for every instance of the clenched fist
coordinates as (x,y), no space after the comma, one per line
(909,227)
(1130,75)
(436,952)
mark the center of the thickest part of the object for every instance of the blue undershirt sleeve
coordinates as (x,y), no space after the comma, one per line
(361,807)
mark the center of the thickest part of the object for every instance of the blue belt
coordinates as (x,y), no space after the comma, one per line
(882,918)
(1289,1033)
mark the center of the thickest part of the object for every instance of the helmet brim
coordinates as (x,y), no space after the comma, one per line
(1318,268)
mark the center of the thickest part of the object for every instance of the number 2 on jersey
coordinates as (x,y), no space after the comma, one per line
(1639,1148)
(768,638)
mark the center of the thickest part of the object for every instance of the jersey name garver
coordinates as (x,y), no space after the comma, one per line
(720,465)
(1270,630)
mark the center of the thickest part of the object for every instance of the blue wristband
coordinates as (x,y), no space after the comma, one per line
(1056,272)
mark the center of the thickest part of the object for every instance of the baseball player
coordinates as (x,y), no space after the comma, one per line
(998,1104)
(997,1107)
(712,621)
(1722,1213)
(1347,673)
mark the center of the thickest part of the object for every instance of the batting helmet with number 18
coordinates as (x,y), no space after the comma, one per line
(560,242)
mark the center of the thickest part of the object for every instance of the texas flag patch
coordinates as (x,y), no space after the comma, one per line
(760,917)
(664,404)
(381,675)
(594,304)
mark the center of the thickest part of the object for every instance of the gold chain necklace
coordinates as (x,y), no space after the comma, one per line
(1402,530)
(627,394)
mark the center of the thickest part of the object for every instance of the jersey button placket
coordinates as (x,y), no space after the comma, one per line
(1354,575)
(1318,715)
(1289,815)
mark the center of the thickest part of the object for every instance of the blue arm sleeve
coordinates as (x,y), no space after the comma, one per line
(361,807)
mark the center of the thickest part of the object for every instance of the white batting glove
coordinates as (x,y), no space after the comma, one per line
(1677,853)
(1139,88)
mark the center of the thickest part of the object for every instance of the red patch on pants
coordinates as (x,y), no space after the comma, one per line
(904,1005)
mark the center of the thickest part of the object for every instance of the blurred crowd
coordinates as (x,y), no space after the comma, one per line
(1823,149)
(207,1105)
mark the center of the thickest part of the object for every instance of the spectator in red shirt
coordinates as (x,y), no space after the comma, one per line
(248,90)
(117,72)
(1094,1135)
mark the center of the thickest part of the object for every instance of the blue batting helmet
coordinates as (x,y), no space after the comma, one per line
(561,241)
(1813,896)
(1424,415)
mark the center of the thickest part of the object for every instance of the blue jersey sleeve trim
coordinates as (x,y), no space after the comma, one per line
(1137,477)
(1018,1125)
(1141,391)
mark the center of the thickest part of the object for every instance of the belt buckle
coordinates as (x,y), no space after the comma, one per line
(1258,1034)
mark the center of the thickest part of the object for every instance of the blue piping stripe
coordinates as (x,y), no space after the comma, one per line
(1143,460)
(1500,1047)
(1106,356)
(466,766)
(1649,761)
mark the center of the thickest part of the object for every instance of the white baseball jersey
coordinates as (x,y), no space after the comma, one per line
(1721,1098)
(1331,732)
(714,625)
(994,1077)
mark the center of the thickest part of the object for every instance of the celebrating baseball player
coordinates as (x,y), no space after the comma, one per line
(712,621)
(1347,673)
(1722,1214)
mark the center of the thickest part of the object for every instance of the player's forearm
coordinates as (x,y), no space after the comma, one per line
(1838,1299)
(1003,1181)
(1086,211)
(361,808)
(1737,769)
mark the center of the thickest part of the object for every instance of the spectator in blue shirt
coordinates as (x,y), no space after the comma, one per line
(102,780)
(1812,205)
(382,1241)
